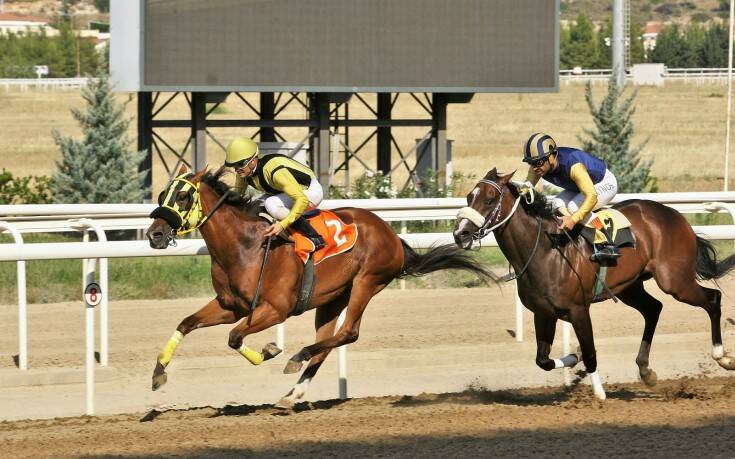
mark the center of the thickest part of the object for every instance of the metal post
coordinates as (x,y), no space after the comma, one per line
(104,304)
(145,140)
(404,230)
(342,354)
(267,113)
(566,350)
(22,301)
(321,154)
(89,354)
(439,133)
(199,130)
(729,97)
(281,336)
(384,133)
(618,43)
(519,315)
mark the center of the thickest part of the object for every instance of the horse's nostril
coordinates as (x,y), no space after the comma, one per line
(465,232)
(157,234)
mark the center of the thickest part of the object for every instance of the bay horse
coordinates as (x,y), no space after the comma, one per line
(233,232)
(556,278)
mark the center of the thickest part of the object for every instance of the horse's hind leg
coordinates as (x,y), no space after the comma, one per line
(708,299)
(325,322)
(637,297)
(211,314)
(362,291)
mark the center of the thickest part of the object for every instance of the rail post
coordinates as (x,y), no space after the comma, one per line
(22,300)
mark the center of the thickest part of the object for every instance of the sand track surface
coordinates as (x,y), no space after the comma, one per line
(435,373)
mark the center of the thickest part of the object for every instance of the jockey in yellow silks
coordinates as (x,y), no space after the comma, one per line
(587,182)
(290,187)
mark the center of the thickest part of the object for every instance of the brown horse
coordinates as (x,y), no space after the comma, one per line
(234,236)
(556,278)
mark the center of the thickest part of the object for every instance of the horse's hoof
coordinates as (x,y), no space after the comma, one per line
(285,403)
(727,362)
(159,379)
(649,378)
(270,350)
(292,367)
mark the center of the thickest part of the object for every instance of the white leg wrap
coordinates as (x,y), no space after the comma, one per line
(597,386)
(298,390)
(718,351)
(558,363)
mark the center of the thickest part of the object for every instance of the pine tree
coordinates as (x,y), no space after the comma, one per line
(610,141)
(100,168)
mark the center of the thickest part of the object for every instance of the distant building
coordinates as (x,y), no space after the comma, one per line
(650,33)
(20,24)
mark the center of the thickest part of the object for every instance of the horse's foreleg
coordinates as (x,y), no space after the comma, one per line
(264,316)
(325,323)
(211,314)
(650,308)
(545,330)
(580,318)
(348,332)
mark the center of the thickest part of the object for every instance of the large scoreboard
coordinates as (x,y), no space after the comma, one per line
(336,45)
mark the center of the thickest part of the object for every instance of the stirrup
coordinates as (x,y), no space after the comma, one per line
(607,252)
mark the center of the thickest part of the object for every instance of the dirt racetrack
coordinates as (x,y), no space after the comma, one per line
(435,373)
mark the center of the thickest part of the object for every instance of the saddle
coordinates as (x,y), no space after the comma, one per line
(609,227)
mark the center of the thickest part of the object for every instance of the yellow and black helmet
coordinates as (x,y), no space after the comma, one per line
(538,146)
(239,150)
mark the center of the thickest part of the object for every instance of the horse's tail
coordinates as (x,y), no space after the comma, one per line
(439,258)
(707,265)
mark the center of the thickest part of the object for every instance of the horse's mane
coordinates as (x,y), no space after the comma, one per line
(541,205)
(242,203)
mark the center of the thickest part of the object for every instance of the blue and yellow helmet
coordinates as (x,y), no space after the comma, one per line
(538,146)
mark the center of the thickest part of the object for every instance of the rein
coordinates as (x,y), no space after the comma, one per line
(471,214)
(509,277)
(256,296)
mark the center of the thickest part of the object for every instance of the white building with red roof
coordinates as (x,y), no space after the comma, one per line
(650,33)
(20,24)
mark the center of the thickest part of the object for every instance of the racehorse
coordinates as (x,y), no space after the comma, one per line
(556,278)
(233,232)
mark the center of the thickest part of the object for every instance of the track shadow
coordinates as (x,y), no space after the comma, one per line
(587,440)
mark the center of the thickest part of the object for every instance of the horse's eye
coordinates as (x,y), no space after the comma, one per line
(489,201)
(182,196)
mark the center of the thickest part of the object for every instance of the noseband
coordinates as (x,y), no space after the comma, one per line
(487,224)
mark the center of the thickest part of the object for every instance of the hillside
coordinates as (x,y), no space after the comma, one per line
(680,12)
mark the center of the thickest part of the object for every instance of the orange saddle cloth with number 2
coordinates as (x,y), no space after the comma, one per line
(339,237)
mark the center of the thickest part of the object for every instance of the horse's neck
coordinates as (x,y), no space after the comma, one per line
(227,232)
(517,239)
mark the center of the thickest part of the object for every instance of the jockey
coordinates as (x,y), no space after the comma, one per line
(290,187)
(587,182)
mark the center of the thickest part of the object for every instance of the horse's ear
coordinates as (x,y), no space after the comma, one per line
(506,178)
(182,170)
(492,173)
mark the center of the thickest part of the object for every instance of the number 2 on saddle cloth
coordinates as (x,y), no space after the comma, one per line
(339,237)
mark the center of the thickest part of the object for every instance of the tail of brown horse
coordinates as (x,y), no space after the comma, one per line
(439,258)
(707,265)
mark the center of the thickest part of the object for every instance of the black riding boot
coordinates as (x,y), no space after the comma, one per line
(605,252)
(303,226)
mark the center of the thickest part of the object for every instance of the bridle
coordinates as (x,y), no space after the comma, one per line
(490,223)
(193,218)
(493,222)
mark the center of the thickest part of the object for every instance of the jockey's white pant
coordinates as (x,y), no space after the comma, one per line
(606,190)
(279,205)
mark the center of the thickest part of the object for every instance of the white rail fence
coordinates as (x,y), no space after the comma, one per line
(102,217)
(688,75)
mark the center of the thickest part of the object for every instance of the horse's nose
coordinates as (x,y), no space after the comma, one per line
(155,237)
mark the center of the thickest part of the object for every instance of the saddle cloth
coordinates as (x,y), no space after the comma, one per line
(609,226)
(339,237)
